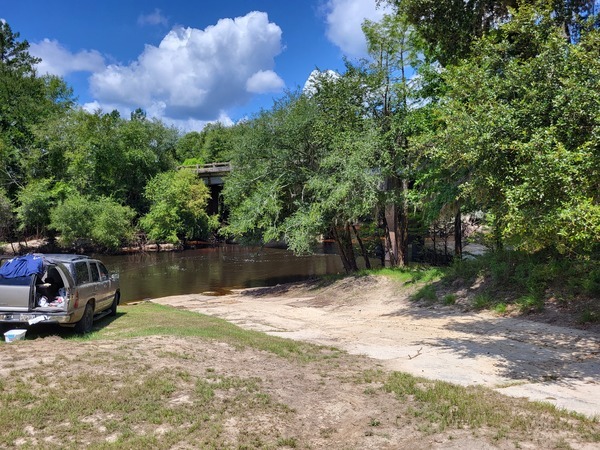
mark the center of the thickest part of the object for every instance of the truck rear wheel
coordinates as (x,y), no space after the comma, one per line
(87,321)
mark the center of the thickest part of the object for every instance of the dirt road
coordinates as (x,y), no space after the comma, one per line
(373,316)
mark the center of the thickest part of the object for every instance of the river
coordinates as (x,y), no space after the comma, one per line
(215,269)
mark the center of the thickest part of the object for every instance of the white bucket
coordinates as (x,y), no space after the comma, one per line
(14,335)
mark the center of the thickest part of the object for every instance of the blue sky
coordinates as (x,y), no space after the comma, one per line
(188,62)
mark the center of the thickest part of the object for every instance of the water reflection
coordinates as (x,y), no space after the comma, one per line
(214,269)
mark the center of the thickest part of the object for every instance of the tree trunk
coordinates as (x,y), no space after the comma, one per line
(392,229)
(458,234)
(403,228)
(497,234)
(363,250)
(391,235)
(344,243)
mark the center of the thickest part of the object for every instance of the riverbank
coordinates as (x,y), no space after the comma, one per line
(42,246)
(374,316)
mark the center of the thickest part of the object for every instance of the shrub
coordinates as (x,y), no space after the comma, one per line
(107,223)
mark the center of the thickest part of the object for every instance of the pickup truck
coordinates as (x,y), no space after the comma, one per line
(70,290)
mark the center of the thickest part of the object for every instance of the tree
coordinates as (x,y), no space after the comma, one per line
(112,226)
(305,169)
(342,187)
(25,102)
(274,155)
(6,216)
(521,122)
(104,155)
(177,212)
(36,199)
(391,102)
(102,222)
(449,27)
(14,56)
(190,148)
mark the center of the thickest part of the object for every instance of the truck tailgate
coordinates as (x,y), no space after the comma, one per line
(15,293)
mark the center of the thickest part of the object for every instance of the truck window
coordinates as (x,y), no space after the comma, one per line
(82,275)
(95,273)
(103,272)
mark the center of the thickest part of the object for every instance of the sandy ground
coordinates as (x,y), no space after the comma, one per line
(372,316)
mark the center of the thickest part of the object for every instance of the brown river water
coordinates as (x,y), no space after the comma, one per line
(216,270)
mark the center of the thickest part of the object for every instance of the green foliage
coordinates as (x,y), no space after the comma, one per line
(189,147)
(36,199)
(449,299)
(591,283)
(193,162)
(14,55)
(482,301)
(6,216)
(589,316)
(215,143)
(105,222)
(304,169)
(26,101)
(524,139)
(426,293)
(178,203)
(112,225)
(449,28)
(104,155)
(525,280)
(529,303)
(500,308)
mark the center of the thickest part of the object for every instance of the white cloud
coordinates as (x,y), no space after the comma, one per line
(310,86)
(264,81)
(196,73)
(344,20)
(155,18)
(57,60)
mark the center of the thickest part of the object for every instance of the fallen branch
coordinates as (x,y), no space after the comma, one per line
(418,353)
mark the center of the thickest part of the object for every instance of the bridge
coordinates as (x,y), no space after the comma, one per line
(213,175)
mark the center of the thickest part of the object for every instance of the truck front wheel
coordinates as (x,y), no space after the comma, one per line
(115,303)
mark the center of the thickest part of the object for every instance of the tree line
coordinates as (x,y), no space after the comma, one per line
(93,178)
(460,107)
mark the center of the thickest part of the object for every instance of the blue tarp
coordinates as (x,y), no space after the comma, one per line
(22,266)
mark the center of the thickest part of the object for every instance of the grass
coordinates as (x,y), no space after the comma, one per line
(482,300)
(449,299)
(589,316)
(499,280)
(185,400)
(426,293)
(133,397)
(142,321)
(446,405)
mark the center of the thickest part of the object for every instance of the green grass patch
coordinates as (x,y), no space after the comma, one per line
(408,275)
(482,300)
(525,279)
(426,293)
(446,405)
(529,303)
(449,299)
(587,316)
(150,319)
(148,396)
(500,308)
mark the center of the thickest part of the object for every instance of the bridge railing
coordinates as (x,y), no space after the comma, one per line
(220,167)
